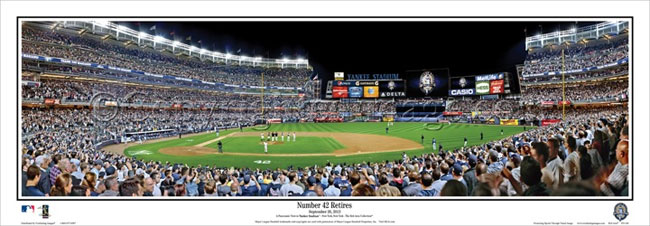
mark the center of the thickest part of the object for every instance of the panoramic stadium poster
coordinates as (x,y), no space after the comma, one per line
(111,109)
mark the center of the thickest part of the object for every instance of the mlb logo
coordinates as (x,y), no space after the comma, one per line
(26,208)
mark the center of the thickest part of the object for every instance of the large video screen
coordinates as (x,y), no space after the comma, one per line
(463,86)
(427,83)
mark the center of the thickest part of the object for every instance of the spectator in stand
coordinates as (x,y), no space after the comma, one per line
(454,188)
(131,187)
(572,161)
(427,188)
(413,187)
(112,187)
(385,189)
(62,185)
(617,181)
(33,176)
(90,182)
(363,190)
(291,189)
(531,176)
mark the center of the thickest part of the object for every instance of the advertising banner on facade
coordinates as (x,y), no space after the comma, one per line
(371,91)
(339,92)
(452,113)
(547,122)
(496,86)
(509,122)
(482,87)
(355,91)
(339,76)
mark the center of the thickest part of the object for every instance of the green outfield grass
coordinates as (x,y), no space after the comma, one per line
(450,136)
(302,145)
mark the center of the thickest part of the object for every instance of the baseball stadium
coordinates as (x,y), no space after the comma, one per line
(115,108)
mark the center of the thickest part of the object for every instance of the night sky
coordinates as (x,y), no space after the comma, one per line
(466,48)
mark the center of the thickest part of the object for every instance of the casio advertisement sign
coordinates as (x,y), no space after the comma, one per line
(461,92)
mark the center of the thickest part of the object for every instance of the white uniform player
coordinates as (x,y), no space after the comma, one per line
(262,136)
(282,135)
(266,148)
(294,136)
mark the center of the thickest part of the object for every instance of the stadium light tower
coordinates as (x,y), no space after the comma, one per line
(141,36)
(174,44)
(103,23)
(158,38)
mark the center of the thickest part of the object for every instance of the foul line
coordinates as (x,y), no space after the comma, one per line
(213,140)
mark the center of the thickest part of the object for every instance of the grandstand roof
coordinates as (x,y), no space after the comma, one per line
(463,47)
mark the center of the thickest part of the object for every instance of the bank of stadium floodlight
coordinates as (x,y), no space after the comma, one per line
(228,55)
(121,28)
(158,38)
(175,43)
(103,23)
(285,60)
(258,59)
(142,35)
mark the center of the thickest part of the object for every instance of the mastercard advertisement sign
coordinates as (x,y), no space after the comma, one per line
(371,91)
(496,86)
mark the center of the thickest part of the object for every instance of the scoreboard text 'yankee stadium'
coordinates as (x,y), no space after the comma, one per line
(394,76)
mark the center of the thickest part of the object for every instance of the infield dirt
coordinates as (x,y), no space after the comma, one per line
(355,143)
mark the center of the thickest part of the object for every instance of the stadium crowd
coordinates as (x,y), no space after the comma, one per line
(613,71)
(55,43)
(611,90)
(586,155)
(469,105)
(577,56)
(83,91)
(352,107)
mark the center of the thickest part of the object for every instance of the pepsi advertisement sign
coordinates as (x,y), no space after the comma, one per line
(343,83)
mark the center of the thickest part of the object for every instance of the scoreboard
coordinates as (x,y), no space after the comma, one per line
(417,83)
(479,85)
(368,89)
